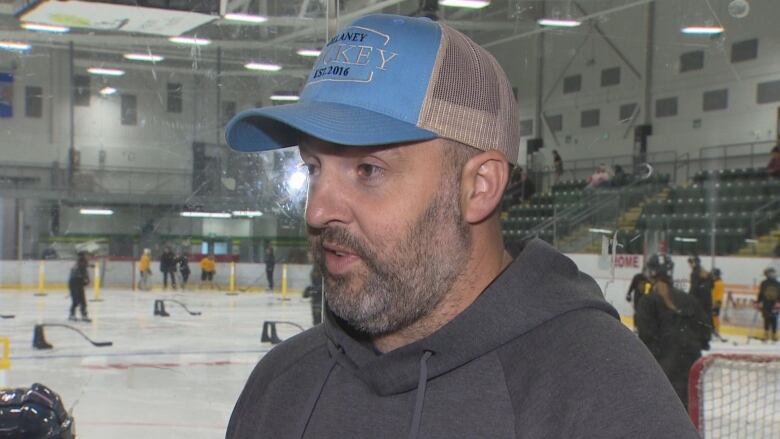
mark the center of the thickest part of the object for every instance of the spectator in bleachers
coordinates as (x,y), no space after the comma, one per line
(620,178)
(601,177)
(557,166)
(773,167)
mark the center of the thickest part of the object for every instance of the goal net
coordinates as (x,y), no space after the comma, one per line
(736,396)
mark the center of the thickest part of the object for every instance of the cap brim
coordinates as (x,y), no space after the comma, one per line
(267,128)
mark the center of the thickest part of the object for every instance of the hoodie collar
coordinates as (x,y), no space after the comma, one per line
(538,285)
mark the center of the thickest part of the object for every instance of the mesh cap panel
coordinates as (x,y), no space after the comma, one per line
(469,98)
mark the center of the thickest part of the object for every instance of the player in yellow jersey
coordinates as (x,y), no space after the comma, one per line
(717,300)
(144,267)
(208,267)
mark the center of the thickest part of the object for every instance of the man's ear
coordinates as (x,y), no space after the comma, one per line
(484,179)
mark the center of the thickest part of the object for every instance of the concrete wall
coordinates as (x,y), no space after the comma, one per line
(583,51)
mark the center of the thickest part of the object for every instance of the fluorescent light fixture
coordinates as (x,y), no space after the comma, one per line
(246,18)
(107,91)
(284,98)
(247,213)
(607,231)
(205,214)
(190,40)
(96,212)
(471,4)
(13,45)
(702,30)
(309,52)
(554,22)
(263,67)
(680,239)
(752,241)
(45,27)
(143,57)
(105,72)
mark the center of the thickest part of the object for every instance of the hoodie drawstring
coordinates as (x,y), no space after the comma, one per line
(414,429)
(312,402)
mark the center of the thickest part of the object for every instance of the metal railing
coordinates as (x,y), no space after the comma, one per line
(767,213)
(735,155)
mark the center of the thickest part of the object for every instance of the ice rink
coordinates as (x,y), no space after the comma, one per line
(164,377)
(172,377)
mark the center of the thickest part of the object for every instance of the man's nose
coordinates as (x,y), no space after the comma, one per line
(327,201)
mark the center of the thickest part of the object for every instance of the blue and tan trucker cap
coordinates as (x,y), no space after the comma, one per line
(389,79)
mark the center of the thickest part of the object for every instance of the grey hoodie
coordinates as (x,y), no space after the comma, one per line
(539,354)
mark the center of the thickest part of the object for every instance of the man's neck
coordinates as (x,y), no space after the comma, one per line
(484,267)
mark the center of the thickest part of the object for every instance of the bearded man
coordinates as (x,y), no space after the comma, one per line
(408,129)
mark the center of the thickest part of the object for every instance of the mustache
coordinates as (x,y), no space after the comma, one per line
(340,237)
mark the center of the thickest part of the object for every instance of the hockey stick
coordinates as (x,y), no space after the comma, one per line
(7,316)
(99,344)
(192,313)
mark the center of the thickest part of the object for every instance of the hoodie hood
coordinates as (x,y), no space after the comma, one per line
(539,285)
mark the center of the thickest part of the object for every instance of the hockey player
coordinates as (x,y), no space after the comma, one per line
(79,278)
(717,301)
(701,284)
(768,301)
(145,269)
(184,269)
(672,324)
(168,267)
(207,270)
(639,287)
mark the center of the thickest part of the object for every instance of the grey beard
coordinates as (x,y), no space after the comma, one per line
(411,280)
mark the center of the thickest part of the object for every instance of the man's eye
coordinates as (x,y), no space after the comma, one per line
(369,171)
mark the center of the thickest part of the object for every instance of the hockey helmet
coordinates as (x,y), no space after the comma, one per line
(660,266)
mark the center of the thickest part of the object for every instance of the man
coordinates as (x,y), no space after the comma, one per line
(145,270)
(431,330)
(168,267)
(639,287)
(270,261)
(768,301)
(701,284)
(672,324)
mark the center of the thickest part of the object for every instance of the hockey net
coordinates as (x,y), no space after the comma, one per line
(736,396)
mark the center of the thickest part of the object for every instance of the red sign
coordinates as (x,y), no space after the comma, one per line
(627,261)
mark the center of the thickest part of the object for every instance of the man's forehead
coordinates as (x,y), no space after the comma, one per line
(314,146)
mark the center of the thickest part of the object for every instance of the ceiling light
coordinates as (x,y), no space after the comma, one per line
(309,52)
(284,98)
(143,57)
(13,45)
(554,22)
(190,40)
(96,212)
(247,213)
(45,27)
(472,4)
(702,30)
(107,91)
(262,66)
(246,18)
(105,72)
(205,214)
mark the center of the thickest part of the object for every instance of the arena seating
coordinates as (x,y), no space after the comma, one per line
(730,197)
